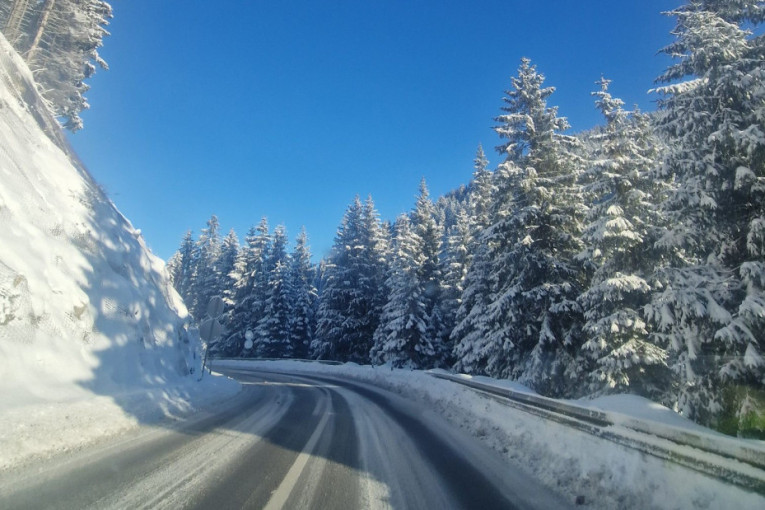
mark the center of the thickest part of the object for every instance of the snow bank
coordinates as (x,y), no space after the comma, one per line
(641,408)
(93,339)
(567,460)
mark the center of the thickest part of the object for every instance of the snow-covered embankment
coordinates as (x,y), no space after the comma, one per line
(93,339)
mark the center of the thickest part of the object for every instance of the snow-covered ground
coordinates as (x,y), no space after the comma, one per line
(93,339)
(567,460)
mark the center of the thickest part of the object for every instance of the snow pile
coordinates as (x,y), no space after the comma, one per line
(93,339)
(634,406)
(566,460)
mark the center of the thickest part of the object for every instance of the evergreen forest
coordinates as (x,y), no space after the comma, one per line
(629,258)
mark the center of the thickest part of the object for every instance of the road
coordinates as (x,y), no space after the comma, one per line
(286,441)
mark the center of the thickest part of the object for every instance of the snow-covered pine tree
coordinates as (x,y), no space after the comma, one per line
(618,243)
(377,241)
(229,255)
(333,318)
(449,206)
(349,304)
(303,297)
(206,276)
(181,267)
(245,299)
(402,338)
(709,313)
(733,11)
(533,319)
(481,193)
(429,239)
(455,261)
(470,332)
(59,40)
(320,279)
(272,333)
(235,297)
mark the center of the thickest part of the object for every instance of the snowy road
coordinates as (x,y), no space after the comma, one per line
(285,442)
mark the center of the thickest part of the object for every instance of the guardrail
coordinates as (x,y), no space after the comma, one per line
(320,361)
(719,456)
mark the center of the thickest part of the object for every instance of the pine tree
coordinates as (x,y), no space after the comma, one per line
(245,299)
(349,305)
(455,261)
(376,239)
(469,330)
(229,254)
(481,193)
(60,39)
(708,312)
(272,333)
(428,239)
(206,275)
(181,267)
(528,324)
(412,327)
(619,237)
(470,333)
(402,338)
(303,298)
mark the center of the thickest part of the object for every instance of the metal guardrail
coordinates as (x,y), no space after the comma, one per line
(719,456)
(320,361)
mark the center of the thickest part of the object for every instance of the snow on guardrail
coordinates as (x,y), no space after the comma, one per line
(735,461)
(319,361)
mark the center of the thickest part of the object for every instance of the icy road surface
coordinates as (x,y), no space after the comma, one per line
(285,441)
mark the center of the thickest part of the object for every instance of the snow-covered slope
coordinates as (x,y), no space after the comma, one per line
(85,309)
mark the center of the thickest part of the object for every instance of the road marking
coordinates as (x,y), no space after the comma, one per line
(280,495)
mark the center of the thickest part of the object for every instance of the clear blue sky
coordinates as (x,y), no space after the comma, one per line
(289,108)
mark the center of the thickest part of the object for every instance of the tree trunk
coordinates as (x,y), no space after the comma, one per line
(46,10)
(12,28)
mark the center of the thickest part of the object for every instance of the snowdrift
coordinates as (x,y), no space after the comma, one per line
(85,309)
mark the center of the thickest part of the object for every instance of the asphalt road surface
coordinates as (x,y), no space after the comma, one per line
(286,441)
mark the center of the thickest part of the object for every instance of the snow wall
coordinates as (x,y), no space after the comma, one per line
(85,308)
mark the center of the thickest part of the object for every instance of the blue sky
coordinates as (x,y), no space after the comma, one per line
(289,108)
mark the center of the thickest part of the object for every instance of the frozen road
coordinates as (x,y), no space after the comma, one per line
(285,442)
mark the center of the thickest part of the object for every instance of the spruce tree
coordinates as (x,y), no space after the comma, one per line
(272,332)
(59,39)
(403,339)
(619,239)
(246,298)
(708,312)
(528,325)
(376,238)
(455,261)
(181,267)
(229,255)
(303,298)
(470,333)
(206,276)
(428,240)
(350,302)
(481,193)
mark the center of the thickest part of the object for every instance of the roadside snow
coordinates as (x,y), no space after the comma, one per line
(93,339)
(641,408)
(619,406)
(568,461)
(44,429)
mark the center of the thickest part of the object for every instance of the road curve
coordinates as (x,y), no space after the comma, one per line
(287,441)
